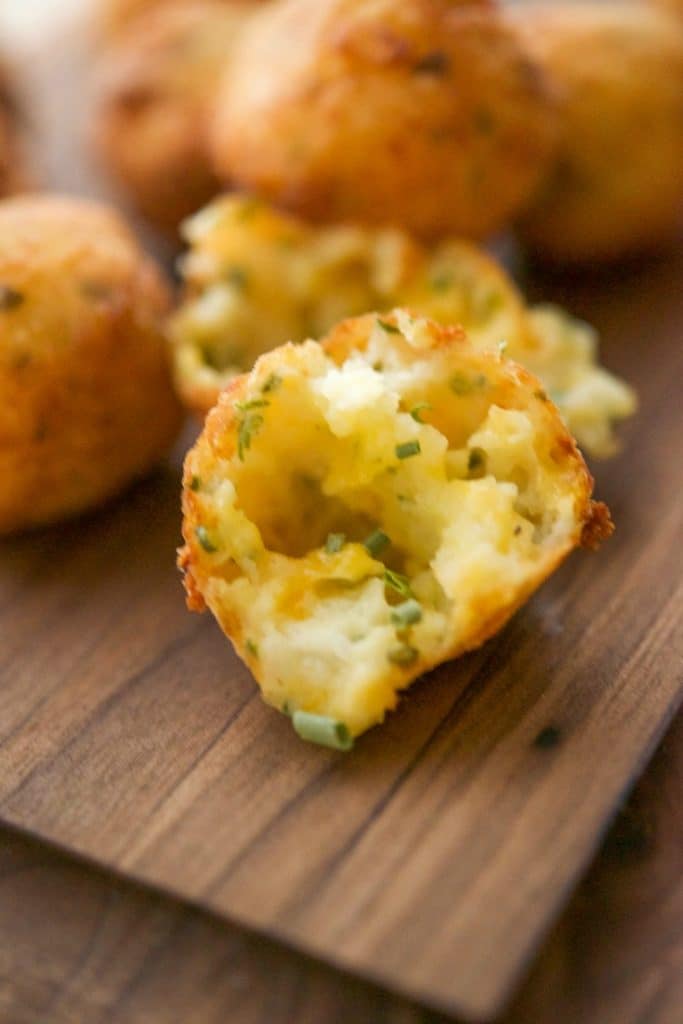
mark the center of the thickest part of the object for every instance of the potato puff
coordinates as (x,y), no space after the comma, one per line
(156,86)
(256,278)
(86,397)
(425,115)
(617,187)
(361,510)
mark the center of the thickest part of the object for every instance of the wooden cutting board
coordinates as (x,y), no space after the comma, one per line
(433,857)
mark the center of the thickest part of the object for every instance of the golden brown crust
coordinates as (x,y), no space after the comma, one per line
(86,400)
(617,186)
(117,15)
(426,114)
(156,88)
(598,526)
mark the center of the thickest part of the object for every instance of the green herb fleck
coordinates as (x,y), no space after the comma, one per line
(195,483)
(327,732)
(250,423)
(398,582)
(238,277)
(252,648)
(204,538)
(408,449)
(403,655)
(442,281)
(463,385)
(272,384)
(388,327)
(476,460)
(10,298)
(334,543)
(484,121)
(407,614)
(417,410)
(376,542)
(541,395)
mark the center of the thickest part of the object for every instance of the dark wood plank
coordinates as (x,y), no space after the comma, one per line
(79,945)
(435,856)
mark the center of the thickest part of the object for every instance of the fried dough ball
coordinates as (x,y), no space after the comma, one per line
(360,511)
(427,115)
(617,188)
(256,278)
(86,398)
(156,89)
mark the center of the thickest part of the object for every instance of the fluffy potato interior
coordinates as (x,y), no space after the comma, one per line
(358,512)
(256,279)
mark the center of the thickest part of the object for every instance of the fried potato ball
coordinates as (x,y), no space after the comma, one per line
(617,187)
(86,397)
(256,278)
(156,88)
(426,114)
(360,511)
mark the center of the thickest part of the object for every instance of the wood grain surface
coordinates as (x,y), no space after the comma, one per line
(433,858)
(77,945)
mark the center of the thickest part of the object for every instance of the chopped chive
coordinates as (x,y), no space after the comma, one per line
(202,535)
(407,614)
(334,543)
(417,410)
(252,648)
(195,483)
(253,403)
(327,732)
(238,277)
(10,298)
(442,281)
(376,542)
(541,395)
(476,459)
(408,448)
(463,385)
(272,384)
(386,326)
(403,655)
(250,424)
(398,582)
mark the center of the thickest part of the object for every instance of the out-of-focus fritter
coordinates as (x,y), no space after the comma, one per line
(86,397)
(617,187)
(255,278)
(427,115)
(360,511)
(156,87)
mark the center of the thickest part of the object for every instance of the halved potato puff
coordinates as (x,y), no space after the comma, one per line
(256,278)
(361,510)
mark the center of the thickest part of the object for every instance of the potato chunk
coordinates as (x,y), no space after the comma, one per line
(361,510)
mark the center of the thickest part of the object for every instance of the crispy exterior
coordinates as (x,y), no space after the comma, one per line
(425,114)
(491,497)
(256,278)
(156,88)
(617,188)
(86,400)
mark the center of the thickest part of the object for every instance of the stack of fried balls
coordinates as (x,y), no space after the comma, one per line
(389,464)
